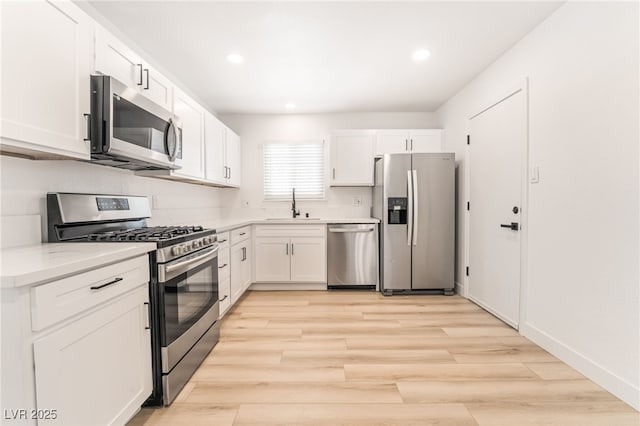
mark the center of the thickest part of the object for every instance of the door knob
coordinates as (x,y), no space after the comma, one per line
(514,226)
(515,210)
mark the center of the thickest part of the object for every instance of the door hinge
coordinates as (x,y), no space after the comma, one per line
(467,271)
(468,139)
(468,206)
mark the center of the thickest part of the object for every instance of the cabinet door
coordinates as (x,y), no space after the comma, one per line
(46,64)
(237,275)
(272,259)
(426,140)
(234,158)
(308,259)
(351,155)
(191,116)
(214,148)
(97,369)
(224,291)
(392,141)
(246,265)
(115,59)
(157,88)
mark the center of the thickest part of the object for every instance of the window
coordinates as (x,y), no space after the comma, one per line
(298,165)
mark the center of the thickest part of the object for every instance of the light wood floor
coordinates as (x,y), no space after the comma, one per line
(359,358)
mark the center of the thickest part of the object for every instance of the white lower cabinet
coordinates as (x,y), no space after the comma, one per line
(78,347)
(295,253)
(272,259)
(224,273)
(308,259)
(97,369)
(240,260)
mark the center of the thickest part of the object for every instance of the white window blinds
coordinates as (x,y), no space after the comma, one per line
(298,165)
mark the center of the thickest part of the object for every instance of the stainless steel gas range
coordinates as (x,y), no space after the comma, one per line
(183,291)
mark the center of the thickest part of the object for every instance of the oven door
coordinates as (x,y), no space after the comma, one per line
(188,304)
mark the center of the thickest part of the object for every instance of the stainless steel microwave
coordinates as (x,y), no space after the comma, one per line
(129,131)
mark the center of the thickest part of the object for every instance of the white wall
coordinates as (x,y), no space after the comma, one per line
(254,130)
(24,184)
(582,297)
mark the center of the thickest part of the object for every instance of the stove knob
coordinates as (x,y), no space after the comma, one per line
(207,240)
(197,244)
(186,248)
(176,250)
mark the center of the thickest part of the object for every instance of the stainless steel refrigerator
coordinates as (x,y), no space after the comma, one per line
(414,198)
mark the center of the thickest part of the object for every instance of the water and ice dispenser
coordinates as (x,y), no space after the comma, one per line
(397,210)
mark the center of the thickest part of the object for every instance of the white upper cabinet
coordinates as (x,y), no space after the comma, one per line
(115,59)
(157,88)
(393,141)
(46,64)
(222,153)
(215,152)
(234,158)
(351,154)
(191,116)
(426,140)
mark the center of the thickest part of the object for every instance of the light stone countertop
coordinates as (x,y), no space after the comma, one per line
(29,265)
(227,225)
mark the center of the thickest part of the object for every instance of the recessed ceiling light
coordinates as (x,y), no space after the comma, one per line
(234,58)
(421,55)
(290,106)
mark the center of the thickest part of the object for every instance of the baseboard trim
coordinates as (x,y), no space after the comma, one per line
(288,286)
(459,287)
(618,386)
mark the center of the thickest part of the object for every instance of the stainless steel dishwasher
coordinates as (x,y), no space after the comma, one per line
(352,256)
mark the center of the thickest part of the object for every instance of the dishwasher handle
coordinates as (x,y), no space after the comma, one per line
(351,230)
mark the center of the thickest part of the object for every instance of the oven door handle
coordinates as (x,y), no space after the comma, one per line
(180,267)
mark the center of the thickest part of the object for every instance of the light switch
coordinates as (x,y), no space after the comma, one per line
(534,175)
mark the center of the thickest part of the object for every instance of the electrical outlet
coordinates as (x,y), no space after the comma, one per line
(357,201)
(154,201)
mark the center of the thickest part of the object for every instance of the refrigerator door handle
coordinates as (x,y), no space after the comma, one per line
(410,207)
(415,208)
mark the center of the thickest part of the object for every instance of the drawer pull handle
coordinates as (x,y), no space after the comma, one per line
(222,241)
(148,326)
(98,287)
(223,299)
(220,267)
(243,233)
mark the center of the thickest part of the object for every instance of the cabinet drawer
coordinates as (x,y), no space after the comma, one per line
(223,240)
(224,295)
(58,300)
(223,264)
(291,230)
(240,234)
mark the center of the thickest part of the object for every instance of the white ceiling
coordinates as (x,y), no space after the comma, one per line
(324,56)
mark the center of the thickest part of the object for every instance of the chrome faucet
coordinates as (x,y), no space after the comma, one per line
(293,205)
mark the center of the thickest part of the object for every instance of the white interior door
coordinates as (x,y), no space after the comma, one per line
(496,161)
